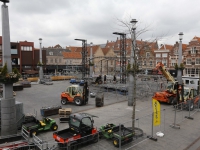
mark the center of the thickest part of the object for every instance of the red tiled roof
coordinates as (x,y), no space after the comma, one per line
(72,48)
(184,47)
(94,49)
(166,46)
(198,38)
(110,44)
(72,55)
(105,50)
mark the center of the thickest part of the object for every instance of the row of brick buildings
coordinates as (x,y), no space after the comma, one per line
(106,56)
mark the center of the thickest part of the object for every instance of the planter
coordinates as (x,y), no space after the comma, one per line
(8,80)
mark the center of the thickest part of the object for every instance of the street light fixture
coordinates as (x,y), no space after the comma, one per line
(180,36)
(5,1)
(41,68)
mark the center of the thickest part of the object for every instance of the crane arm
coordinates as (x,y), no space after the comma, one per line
(164,71)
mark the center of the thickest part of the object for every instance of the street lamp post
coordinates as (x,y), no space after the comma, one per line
(91,60)
(41,68)
(179,74)
(132,76)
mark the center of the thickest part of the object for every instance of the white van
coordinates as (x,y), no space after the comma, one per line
(192,82)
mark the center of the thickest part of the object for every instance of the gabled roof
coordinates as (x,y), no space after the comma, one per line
(94,49)
(105,50)
(72,55)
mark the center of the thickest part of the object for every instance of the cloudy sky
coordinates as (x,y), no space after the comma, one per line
(62,21)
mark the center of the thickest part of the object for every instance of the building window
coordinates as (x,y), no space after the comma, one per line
(164,55)
(1,47)
(51,61)
(197,71)
(59,60)
(147,54)
(164,62)
(51,53)
(151,63)
(56,60)
(193,71)
(158,55)
(111,63)
(26,48)
(193,50)
(188,61)
(197,61)
(145,63)
(46,60)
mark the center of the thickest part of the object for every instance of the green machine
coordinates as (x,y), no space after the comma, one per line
(36,126)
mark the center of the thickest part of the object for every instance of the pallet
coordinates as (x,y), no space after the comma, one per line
(65,111)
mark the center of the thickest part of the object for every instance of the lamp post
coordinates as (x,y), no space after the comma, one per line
(132,76)
(91,60)
(179,74)
(41,70)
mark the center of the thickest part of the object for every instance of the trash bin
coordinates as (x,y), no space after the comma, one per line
(99,100)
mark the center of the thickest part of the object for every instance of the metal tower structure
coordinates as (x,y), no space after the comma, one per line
(122,57)
(85,63)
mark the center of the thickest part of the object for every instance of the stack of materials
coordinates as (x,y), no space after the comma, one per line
(64,114)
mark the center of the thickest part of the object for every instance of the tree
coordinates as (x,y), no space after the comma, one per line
(133,68)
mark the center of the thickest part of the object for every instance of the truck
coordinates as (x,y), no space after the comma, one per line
(36,126)
(75,94)
(115,133)
(81,130)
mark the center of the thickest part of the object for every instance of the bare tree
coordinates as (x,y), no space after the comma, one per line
(133,67)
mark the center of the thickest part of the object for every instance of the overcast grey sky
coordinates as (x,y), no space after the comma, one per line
(62,21)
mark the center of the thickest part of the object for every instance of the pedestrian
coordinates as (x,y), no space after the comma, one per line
(114,79)
(104,79)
